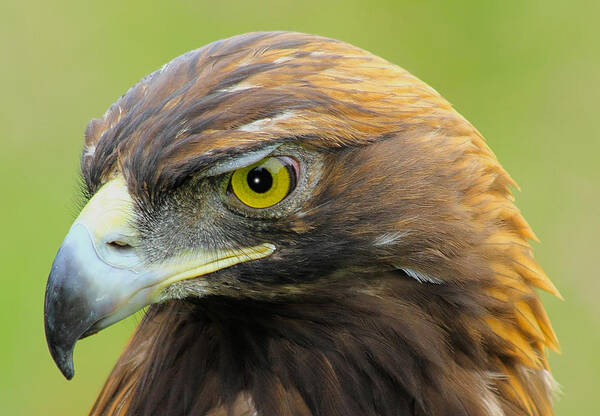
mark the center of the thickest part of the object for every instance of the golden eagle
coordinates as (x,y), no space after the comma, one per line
(317,232)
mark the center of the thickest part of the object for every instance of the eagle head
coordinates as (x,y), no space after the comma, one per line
(317,231)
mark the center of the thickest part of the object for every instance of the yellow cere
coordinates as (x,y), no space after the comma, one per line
(262,184)
(109,211)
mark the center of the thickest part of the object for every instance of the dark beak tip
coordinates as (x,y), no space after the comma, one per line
(60,337)
(68,373)
(64,362)
(62,354)
(64,307)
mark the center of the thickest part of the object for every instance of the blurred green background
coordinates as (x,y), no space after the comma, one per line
(526,73)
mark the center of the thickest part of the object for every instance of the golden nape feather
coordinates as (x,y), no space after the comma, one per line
(317,231)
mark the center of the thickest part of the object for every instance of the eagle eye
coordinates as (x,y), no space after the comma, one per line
(266,182)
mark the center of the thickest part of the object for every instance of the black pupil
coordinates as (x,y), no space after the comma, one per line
(259,180)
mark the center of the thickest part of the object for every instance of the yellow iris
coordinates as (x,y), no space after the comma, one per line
(262,184)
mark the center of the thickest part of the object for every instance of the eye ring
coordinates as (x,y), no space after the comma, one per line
(265,183)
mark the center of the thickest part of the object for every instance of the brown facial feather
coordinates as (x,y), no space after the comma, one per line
(181,118)
(470,340)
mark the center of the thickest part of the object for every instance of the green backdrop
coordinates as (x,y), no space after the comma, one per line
(524,72)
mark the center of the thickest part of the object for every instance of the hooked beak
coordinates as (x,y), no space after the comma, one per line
(99,275)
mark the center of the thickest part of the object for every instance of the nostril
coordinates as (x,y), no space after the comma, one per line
(119,245)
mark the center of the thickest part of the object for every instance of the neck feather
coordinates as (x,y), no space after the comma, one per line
(404,348)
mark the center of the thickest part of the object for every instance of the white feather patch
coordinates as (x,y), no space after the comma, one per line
(387,239)
(489,396)
(258,125)
(283,59)
(239,87)
(420,277)
(89,151)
